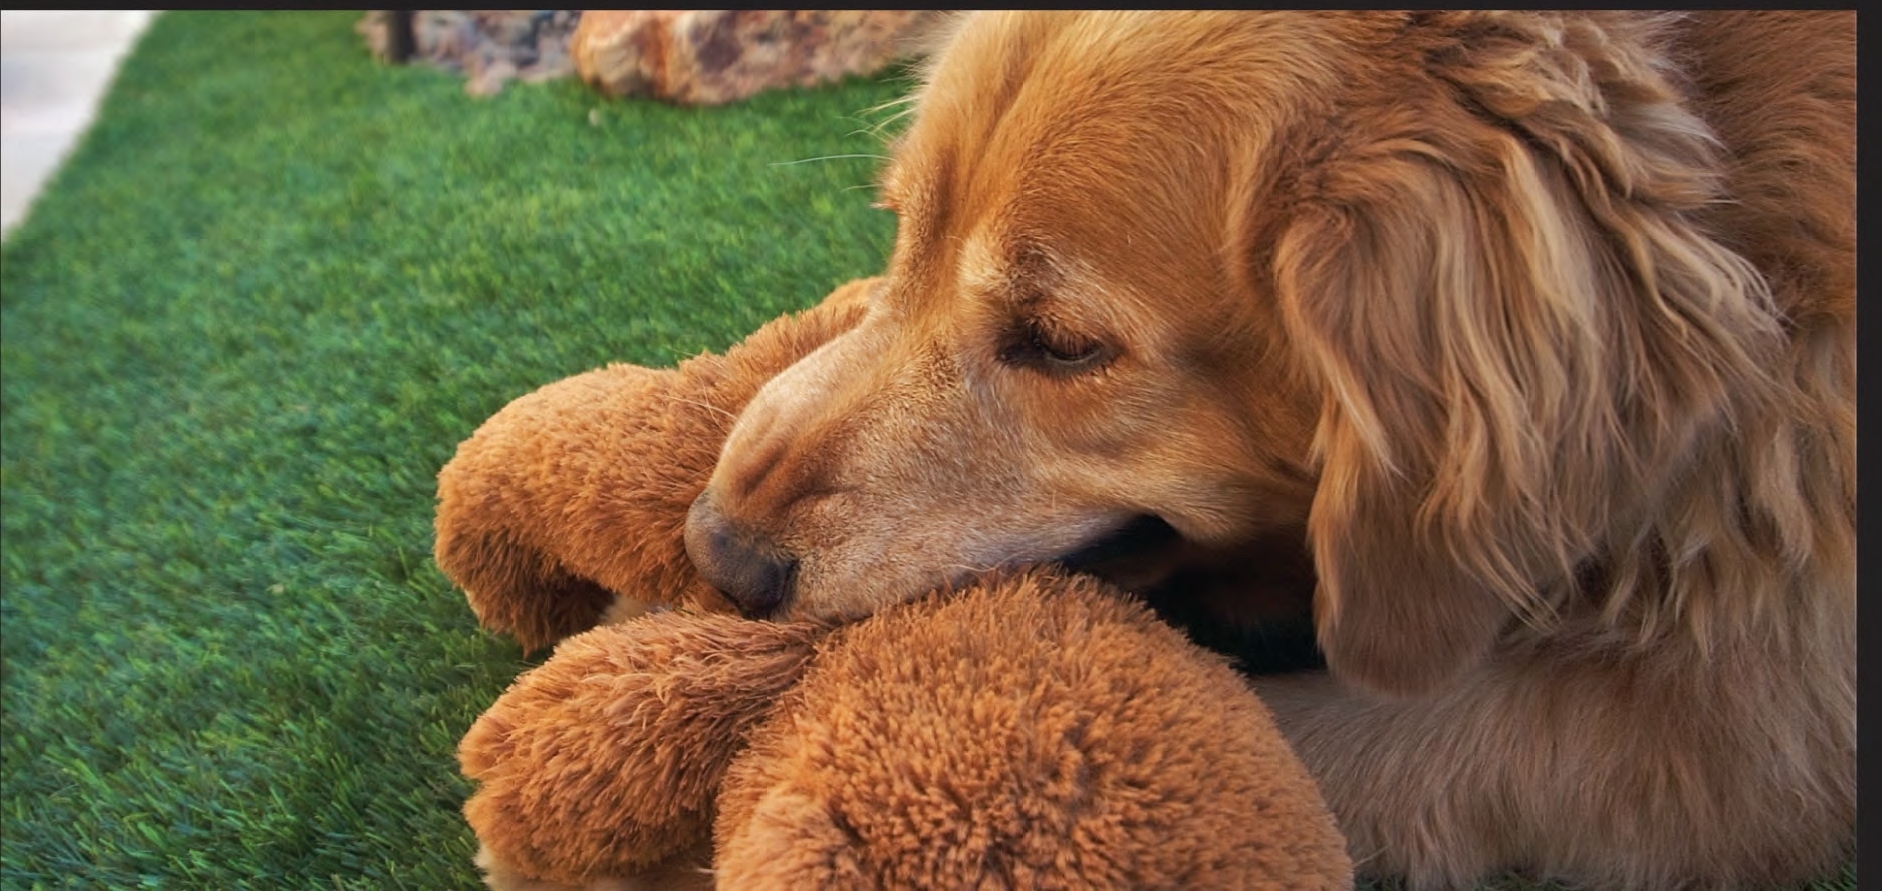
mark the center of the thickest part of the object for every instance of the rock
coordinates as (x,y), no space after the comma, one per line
(690,56)
(709,57)
(490,79)
(489,47)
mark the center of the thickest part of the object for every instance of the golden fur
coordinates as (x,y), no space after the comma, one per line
(1536,328)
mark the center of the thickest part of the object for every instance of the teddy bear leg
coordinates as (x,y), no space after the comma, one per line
(604,762)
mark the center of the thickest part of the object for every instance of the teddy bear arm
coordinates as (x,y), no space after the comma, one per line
(567,507)
(540,491)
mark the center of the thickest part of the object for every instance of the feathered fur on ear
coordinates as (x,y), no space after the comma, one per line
(1524,341)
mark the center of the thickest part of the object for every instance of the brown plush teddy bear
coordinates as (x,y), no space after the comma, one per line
(1036,728)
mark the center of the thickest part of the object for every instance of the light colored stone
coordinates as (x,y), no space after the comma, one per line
(55,66)
(66,30)
(713,56)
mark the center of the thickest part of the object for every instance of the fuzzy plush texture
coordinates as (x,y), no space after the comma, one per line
(552,511)
(1037,730)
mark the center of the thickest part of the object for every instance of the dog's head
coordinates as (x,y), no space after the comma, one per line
(1419,288)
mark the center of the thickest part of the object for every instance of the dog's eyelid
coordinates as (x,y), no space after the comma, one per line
(1040,343)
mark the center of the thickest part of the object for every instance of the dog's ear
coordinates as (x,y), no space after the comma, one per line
(1521,335)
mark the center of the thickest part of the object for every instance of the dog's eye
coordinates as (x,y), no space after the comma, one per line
(1043,347)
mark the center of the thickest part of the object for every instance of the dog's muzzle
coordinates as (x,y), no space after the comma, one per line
(752,572)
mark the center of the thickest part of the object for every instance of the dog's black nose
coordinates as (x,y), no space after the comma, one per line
(755,574)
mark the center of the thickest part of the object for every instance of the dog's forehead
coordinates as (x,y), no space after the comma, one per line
(1019,194)
(1143,69)
(1107,114)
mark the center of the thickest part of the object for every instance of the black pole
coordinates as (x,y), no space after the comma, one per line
(401,41)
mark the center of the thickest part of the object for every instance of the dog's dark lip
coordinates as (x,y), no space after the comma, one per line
(1134,535)
(1137,534)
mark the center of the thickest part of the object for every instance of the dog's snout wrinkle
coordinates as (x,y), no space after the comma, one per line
(752,572)
(758,469)
(770,472)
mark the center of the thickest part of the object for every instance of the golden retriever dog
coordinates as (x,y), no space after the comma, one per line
(1532,333)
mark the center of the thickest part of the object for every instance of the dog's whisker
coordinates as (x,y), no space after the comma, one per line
(972,569)
(705,405)
(827,158)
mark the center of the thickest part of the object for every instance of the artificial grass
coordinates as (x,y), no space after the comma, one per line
(267,297)
(270,293)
